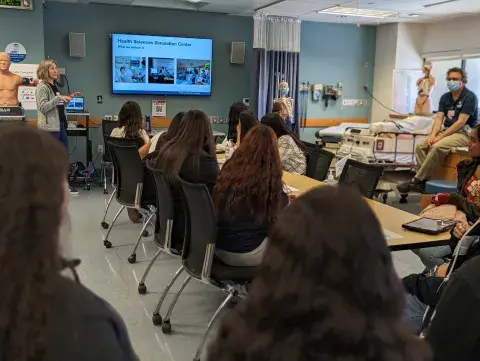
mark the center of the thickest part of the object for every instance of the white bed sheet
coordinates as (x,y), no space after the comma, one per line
(339,130)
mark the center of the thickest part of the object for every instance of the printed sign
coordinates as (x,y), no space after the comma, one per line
(16,51)
(159,108)
(26,93)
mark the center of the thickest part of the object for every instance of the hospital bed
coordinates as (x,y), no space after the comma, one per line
(390,144)
(335,134)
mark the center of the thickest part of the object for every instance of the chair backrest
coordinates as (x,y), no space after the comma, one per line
(319,161)
(364,176)
(200,226)
(107,127)
(128,171)
(165,208)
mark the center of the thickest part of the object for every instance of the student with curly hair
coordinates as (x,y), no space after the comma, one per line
(326,290)
(248,197)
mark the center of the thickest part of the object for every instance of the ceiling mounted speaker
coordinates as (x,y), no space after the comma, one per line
(237,54)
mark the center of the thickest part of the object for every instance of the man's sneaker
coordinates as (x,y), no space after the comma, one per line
(414,185)
(74,192)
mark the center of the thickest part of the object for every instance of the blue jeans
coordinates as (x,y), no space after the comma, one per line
(61,136)
(433,256)
(414,312)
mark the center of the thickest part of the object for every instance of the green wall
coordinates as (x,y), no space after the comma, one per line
(24,27)
(332,53)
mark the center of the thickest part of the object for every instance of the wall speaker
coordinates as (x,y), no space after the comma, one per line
(77,45)
(237,54)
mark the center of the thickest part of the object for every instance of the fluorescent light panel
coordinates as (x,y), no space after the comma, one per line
(364,13)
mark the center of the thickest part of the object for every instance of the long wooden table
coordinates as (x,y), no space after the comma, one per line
(390,218)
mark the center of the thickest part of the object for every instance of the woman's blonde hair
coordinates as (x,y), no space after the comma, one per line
(43,67)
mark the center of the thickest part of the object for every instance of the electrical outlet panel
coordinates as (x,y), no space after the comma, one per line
(355,103)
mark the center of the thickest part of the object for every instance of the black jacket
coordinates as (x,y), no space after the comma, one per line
(83,327)
(454,333)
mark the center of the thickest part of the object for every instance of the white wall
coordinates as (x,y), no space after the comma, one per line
(409,46)
(385,58)
(458,34)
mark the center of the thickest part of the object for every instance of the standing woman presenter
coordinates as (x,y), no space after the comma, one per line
(51,105)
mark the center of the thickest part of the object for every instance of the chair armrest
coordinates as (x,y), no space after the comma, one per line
(138,196)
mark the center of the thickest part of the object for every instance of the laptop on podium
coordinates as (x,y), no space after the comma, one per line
(77,105)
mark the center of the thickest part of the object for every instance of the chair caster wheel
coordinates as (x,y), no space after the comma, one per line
(145,233)
(166,327)
(403,198)
(157,319)
(105,225)
(107,244)
(86,187)
(105,191)
(132,258)
(142,289)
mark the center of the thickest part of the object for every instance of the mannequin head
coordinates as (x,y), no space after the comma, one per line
(284,89)
(4,62)
(427,67)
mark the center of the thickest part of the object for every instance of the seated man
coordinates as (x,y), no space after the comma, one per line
(457,113)
(426,289)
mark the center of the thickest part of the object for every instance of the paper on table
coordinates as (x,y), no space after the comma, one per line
(390,235)
(288,189)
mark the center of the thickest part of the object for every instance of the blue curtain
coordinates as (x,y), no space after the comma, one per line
(268,65)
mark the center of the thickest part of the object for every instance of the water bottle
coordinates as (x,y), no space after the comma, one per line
(330,179)
(148,124)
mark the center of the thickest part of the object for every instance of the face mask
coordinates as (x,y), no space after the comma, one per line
(284,91)
(453,85)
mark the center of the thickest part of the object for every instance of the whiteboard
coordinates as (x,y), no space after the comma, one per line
(405,89)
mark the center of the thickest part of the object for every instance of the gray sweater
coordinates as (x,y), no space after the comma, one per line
(47,101)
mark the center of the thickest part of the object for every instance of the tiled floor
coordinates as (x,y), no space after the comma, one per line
(108,273)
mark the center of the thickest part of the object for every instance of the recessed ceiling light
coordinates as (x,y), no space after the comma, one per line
(364,13)
(413,15)
(194,1)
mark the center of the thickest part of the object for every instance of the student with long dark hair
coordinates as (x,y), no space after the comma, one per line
(326,290)
(190,155)
(292,151)
(246,121)
(159,140)
(233,118)
(248,197)
(130,126)
(44,315)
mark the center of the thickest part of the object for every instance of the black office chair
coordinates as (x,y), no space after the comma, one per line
(364,176)
(319,161)
(129,173)
(198,255)
(107,127)
(108,155)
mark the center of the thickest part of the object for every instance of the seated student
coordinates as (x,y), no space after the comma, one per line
(160,139)
(248,197)
(323,292)
(280,108)
(190,155)
(454,332)
(233,118)
(45,315)
(467,199)
(457,115)
(292,151)
(246,121)
(130,125)
(426,289)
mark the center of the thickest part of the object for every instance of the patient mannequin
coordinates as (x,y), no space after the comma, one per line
(423,104)
(9,83)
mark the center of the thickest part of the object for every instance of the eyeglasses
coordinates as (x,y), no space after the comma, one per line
(454,79)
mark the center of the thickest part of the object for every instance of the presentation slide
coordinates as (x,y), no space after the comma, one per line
(158,65)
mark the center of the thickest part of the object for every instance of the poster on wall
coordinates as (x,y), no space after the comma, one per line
(159,108)
(26,93)
(16,51)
